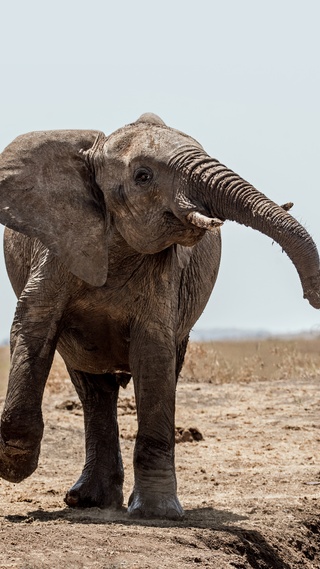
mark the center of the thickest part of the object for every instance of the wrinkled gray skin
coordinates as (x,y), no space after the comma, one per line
(113,250)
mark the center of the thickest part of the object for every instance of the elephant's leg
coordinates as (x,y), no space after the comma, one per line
(181,352)
(100,483)
(33,341)
(153,363)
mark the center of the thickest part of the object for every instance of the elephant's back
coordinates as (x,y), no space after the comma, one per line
(17,254)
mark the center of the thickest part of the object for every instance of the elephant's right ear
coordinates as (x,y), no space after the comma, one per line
(47,191)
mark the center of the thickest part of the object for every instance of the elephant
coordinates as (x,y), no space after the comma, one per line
(112,245)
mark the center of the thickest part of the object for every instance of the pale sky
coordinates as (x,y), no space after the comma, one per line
(242,77)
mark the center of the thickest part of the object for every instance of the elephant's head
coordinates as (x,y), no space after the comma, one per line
(156,185)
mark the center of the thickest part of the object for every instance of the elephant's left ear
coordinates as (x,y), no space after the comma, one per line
(47,191)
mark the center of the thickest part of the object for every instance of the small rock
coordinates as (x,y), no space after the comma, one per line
(69,405)
(187,435)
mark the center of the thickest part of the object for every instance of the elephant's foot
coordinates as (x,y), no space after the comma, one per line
(94,491)
(151,505)
(16,463)
(154,493)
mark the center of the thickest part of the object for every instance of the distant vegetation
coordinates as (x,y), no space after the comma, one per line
(225,362)
(220,362)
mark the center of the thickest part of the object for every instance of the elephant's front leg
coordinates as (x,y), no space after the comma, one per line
(33,341)
(100,483)
(153,362)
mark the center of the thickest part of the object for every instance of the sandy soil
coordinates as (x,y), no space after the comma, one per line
(250,488)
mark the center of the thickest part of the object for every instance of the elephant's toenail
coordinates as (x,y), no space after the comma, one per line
(72,499)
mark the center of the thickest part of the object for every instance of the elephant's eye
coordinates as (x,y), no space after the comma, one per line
(142,176)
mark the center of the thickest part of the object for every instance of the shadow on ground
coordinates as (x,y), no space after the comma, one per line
(199,518)
(221,532)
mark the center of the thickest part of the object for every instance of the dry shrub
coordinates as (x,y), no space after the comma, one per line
(245,361)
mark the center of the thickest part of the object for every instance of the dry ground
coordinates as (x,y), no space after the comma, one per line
(250,488)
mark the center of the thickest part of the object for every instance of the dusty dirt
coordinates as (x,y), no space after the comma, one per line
(250,488)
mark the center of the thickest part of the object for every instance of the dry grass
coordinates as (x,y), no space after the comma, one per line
(4,368)
(227,362)
(219,362)
(59,380)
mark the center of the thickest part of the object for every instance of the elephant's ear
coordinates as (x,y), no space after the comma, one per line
(47,191)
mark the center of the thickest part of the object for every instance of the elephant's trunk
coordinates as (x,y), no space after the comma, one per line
(216,191)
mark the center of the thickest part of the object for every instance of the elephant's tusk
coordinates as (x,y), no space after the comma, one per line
(202,221)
